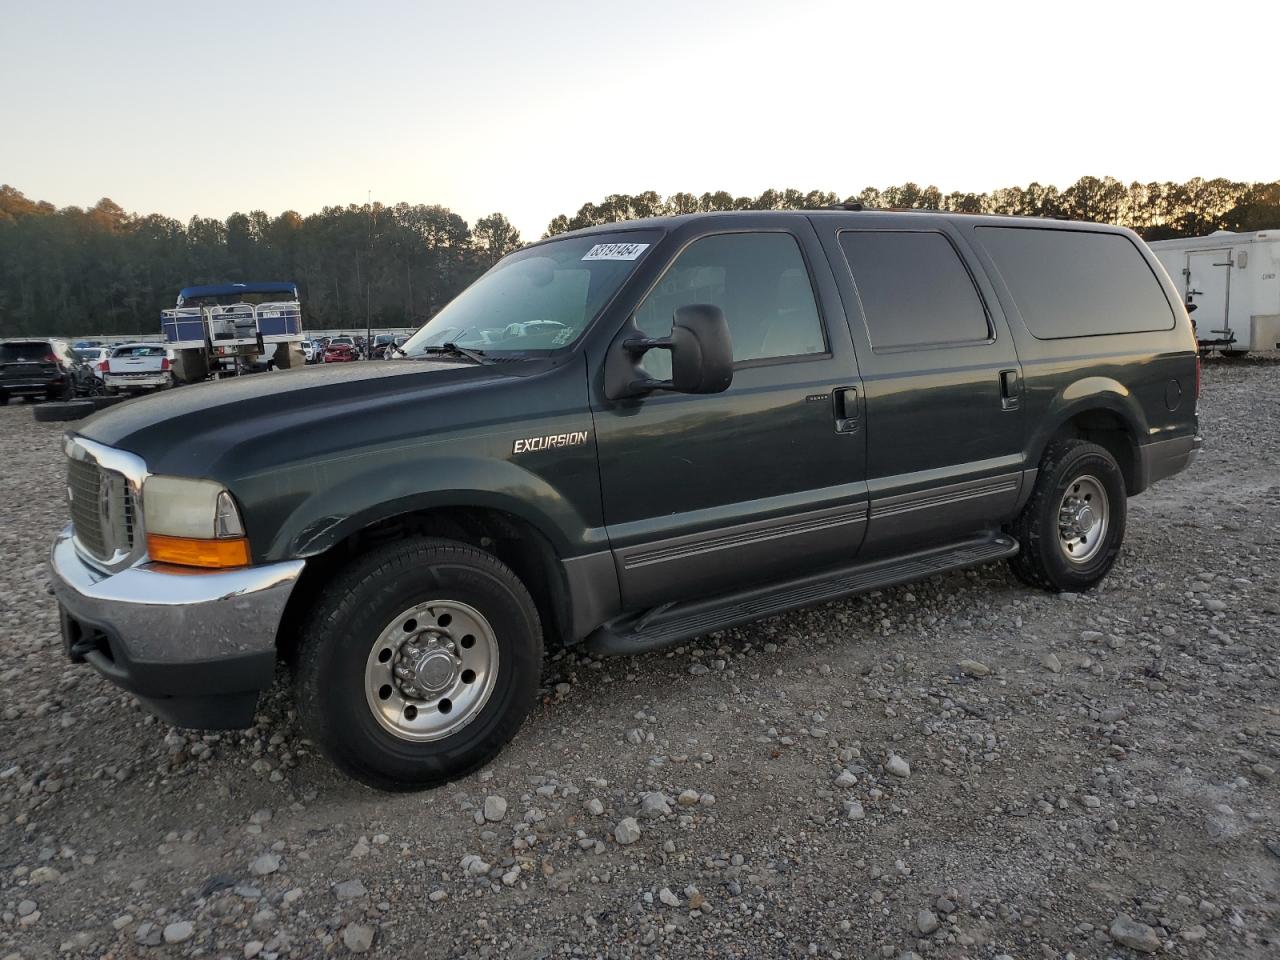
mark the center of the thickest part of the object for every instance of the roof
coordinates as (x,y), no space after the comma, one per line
(236,289)
(878,214)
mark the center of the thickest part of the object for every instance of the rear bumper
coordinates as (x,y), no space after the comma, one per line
(31,388)
(195,648)
(146,382)
(1163,458)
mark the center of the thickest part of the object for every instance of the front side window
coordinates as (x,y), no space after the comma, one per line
(760,282)
(537,300)
(914,290)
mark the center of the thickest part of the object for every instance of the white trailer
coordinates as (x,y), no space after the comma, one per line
(1233,281)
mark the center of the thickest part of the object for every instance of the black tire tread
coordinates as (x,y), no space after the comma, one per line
(341,600)
(1028,529)
(62,410)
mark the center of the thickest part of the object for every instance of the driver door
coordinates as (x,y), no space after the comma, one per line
(704,493)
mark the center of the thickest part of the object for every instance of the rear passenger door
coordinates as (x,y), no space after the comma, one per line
(942,381)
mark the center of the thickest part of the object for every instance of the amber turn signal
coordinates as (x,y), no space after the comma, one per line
(193,552)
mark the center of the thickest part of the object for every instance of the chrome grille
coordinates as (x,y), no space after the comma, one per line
(102,510)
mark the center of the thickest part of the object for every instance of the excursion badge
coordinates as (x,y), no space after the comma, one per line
(549,442)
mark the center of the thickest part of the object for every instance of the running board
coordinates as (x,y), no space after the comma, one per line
(673,622)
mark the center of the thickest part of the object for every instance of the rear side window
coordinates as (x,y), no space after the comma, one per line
(915,291)
(1077,283)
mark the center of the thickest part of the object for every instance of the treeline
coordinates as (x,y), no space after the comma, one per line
(1157,211)
(77,272)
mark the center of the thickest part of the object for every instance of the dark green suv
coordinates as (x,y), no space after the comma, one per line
(624,437)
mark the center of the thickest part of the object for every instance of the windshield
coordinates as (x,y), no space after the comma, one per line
(537,300)
(138,351)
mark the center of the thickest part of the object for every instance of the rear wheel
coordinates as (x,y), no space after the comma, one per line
(1071,529)
(418,666)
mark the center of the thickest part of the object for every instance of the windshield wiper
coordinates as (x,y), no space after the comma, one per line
(453,350)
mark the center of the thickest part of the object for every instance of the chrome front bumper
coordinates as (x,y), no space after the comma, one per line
(195,647)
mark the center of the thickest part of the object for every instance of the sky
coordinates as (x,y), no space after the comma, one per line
(533,109)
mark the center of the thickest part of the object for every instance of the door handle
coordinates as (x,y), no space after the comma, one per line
(1010,390)
(846,406)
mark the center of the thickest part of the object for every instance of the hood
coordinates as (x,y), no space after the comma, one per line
(188,430)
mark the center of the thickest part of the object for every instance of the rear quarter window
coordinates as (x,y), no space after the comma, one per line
(1077,283)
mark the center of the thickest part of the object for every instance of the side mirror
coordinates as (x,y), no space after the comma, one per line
(701,355)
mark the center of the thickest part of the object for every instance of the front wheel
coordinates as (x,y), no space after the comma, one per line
(419,665)
(1071,529)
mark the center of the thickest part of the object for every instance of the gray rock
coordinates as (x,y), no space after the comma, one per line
(179,932)
(854,811)
(266,864)
(44,875)
(627,831)
(357,937)
(495,808)
(897,766)
(926,922)
(669,898)
(1051,662)
(349,890)
(595,807)
(1136,936)
(973,668)
(655,804)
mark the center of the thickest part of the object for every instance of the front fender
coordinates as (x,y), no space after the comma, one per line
(306,523)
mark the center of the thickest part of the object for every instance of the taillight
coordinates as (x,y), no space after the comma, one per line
(105,366)
(164,364)
(51,358)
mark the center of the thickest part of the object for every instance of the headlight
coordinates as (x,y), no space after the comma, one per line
(191,522)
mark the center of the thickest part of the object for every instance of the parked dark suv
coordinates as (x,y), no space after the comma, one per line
(37,369)
(624,437)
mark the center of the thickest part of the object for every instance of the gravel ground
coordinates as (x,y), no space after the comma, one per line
(960,768)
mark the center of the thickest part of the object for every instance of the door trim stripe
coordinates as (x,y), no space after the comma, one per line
(945,496)
(692,545)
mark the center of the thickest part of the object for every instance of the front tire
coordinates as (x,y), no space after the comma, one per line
(1072,527)
(419,665)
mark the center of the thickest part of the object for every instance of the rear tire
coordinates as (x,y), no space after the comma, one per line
(1072,527)
(391,628)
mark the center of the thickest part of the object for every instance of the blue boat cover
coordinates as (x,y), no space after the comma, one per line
(235,289)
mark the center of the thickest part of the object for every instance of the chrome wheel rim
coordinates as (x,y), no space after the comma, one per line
(1084,517)
(431,670)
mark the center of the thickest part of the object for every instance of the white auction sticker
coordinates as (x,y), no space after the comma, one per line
(616,251)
